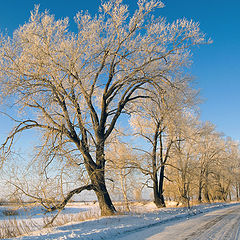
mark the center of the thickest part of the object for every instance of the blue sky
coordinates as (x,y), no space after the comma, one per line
(216,67)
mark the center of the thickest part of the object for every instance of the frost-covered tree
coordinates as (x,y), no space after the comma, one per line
(184,158)
(204,163)
(74,86)
(223,161)
(159,121)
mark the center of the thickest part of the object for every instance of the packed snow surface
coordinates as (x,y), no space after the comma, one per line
(151,223)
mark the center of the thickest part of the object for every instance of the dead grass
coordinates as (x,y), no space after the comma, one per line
(13,228)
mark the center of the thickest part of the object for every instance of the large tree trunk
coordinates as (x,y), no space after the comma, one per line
(97,176)
(104,200)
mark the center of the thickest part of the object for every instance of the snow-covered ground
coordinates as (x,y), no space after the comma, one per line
(146,223)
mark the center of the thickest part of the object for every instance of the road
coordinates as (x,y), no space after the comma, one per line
(222,224)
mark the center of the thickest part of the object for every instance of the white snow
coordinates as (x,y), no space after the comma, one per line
(120,226)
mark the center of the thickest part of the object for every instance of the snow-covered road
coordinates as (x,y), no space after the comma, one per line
(219,224)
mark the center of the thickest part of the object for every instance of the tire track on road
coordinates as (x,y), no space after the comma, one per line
(200,231)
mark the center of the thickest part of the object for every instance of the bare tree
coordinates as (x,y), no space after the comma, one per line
(224,173)
(203,163)
(184,158)
(210,148)
(158,121)
(74,86)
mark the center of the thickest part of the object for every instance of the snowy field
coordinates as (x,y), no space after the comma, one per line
(146,223)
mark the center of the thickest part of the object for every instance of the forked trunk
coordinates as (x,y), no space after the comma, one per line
(158,189)
(157,185)
(161,179)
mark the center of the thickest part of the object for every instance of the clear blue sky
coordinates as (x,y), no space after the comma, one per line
(216,67)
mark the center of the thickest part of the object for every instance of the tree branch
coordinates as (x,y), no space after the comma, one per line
(70,195)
